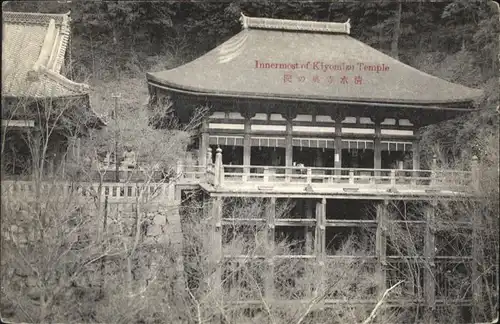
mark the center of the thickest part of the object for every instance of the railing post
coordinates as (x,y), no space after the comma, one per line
(209,157)
(475,173)
(288,173)
(351,176)
(393,177)
(179,168)
(208,165)
(219,172)
(309,175)
(433,170)
(245,172)
(266,174)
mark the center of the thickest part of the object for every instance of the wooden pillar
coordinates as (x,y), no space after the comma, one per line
(416,154)
(338,144)
(204,143)
(174,233)
(429,254)
(288,143)
(247,146)
(216,245)
(320,246)
(319,158)
(416,160)
(271,219)
(308,231)
(477,260)
(247,142)
(377,156)
(381,247)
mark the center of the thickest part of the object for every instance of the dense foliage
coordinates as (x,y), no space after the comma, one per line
(127,32)
(115,42)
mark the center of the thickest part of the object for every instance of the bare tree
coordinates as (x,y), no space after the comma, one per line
(68,256)
(261,279)
(448,248)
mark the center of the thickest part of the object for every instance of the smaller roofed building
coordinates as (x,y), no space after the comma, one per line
(36,92)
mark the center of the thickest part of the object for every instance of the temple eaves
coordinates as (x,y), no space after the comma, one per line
(33,54)
(282,59)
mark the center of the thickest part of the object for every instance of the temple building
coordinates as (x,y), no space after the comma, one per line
(302,111)
(282,92)
(37,96)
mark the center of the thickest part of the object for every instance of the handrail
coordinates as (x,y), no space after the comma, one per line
(335,169)
(218,175)
(299,174)
(110,189)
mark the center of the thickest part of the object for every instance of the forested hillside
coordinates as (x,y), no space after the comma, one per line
(114,43)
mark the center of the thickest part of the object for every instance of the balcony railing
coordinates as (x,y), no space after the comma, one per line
(220,175)
(85,189)
(309,175)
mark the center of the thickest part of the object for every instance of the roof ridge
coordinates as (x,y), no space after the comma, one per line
(34,17)
(71,85)
(63,45)
(295,25)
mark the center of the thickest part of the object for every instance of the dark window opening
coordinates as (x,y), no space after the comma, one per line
(231,155)
(392,159)
(358,158)
(350,209)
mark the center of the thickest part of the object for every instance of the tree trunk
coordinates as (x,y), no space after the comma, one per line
(396,33)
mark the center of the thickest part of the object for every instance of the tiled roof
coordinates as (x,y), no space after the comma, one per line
(286,60)
(33,51)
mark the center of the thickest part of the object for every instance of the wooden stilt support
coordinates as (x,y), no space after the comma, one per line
(381,247)
(429,254)
(175,234)
(308,231)
(216,248)
(319,247)
(271,215)
(477,259)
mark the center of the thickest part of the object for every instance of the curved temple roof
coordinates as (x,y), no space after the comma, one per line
(33,50)
(286,59)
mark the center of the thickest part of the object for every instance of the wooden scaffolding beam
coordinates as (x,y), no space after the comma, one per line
(271,221)
(381,246)
(429,254)
(215,227)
